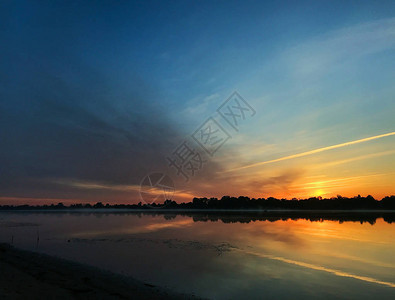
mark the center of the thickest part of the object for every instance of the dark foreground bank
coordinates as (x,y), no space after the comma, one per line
(28,275)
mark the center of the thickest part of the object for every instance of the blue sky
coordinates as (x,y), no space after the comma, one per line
(94,95)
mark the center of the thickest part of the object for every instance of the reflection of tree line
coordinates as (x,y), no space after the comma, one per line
(273,216)
(238,216)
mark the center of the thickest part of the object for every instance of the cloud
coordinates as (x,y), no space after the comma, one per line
(341,46)
(338,182)
(273,184)
(65,122)
(311,152)
(357,158)
(82,135)
(201,104)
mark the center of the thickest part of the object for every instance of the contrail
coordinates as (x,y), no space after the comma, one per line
(312,151)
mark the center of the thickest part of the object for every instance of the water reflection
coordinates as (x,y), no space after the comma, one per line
(225,256)
(235,216)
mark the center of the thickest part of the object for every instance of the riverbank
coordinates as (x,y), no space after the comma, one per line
(25,274)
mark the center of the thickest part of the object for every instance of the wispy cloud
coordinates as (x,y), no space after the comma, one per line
(200,105)
(338,182)
(339,46)
(312,151)
(97,186)
(361,157)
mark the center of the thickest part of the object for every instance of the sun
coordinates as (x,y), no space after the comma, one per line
(319,193)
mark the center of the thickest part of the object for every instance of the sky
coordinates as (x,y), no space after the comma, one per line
(95,96)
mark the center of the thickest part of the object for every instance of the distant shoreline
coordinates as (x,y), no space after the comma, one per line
(30,275)
(338,203)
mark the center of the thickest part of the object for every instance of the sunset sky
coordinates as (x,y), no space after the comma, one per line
(94,97)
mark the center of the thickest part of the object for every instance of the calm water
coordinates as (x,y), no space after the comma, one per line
(222,258)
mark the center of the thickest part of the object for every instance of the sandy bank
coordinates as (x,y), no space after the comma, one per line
(31,275)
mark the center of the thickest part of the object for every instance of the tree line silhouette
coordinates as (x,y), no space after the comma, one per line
(237,203)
